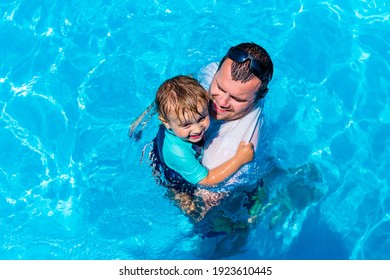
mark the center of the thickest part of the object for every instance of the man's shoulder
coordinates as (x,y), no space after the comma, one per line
(206,74)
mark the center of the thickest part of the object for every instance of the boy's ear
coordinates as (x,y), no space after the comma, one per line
(165,123)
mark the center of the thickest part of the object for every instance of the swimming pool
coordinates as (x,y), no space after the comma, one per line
(74,75)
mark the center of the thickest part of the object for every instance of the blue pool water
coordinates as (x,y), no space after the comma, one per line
(75,74)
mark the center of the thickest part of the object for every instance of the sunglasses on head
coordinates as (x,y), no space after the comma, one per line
(240,56)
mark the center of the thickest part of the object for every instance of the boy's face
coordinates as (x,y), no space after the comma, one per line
(190,127)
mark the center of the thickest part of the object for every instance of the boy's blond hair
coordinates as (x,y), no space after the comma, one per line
(180,95)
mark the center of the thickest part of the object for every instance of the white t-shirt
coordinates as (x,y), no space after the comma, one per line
(223,137)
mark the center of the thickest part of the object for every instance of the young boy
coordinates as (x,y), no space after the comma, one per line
(182,106)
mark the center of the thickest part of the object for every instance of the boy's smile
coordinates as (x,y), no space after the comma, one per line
(190,127)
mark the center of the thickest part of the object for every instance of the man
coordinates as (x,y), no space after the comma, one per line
(237,90)
(237,87)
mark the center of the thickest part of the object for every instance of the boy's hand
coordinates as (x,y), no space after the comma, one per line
(245,152)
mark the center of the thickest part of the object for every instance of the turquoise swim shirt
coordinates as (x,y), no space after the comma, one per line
(181,157)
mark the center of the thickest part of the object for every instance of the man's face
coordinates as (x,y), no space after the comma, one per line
(231,100)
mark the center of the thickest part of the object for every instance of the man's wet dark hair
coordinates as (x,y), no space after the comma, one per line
(241,71)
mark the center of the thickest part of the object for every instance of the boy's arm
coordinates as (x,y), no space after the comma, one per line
(220,173)
(135,131)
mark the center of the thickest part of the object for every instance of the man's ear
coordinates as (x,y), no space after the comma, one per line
(165,123)
(263,93)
